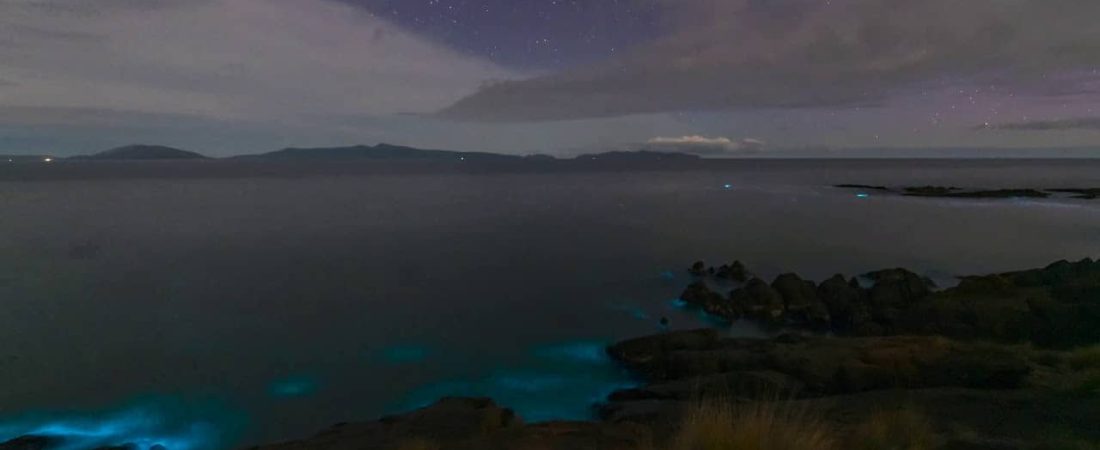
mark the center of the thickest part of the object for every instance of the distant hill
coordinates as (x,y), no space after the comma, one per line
(141,152)
(642,155)
(380,152)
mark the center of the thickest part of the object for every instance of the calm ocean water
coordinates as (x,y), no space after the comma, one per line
(203,306)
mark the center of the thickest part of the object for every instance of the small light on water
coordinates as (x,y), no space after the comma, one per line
(44,160)
(727,186)
(862,195)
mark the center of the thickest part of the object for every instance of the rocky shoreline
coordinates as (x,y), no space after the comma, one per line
(1001,361)
(958,192)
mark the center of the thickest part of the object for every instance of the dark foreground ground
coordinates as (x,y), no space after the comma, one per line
(1002,361)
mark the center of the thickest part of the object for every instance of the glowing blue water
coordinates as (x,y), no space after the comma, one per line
(168,423)
(559,382)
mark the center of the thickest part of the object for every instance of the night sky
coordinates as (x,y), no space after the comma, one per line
(552,34)
(720,77)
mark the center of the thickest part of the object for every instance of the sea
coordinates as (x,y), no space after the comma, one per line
(215,304)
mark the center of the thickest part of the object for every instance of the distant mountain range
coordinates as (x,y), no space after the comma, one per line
(380,152)
(140,152)
(642,155)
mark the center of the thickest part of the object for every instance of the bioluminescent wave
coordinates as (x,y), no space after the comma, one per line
(556,382)
(160,424)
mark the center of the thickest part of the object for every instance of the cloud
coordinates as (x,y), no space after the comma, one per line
(256,60)
(704,146)
(1081,123)
(734,54)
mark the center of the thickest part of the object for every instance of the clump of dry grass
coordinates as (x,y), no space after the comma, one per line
(715,425)
(1084,358)
(902,429)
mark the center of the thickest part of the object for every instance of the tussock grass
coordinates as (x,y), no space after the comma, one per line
(716,425)
(1084,358)
(902,429)
(782,425)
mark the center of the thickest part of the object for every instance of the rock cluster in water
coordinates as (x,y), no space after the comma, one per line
(957,192)
(1056,306)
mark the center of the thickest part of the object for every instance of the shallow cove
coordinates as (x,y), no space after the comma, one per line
(228,300)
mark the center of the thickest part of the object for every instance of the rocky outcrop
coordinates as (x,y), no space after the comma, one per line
(936,191)
(815,366)
(759,301)
(801,302)
(699,295)
(734,272)
(1081,193)
(849,309)
(468,424)
(957,192)
(1056,306)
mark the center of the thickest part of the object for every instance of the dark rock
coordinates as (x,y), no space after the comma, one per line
(930,191)
(650,355)
(735,272)
(847,303)
(821,366)
(470,424)
(699,295)
(758,301)
(31,443)
(764,384)
(895,290)
(863,186)
(801,301)
(953,192)
(1082,193)
(698,269)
